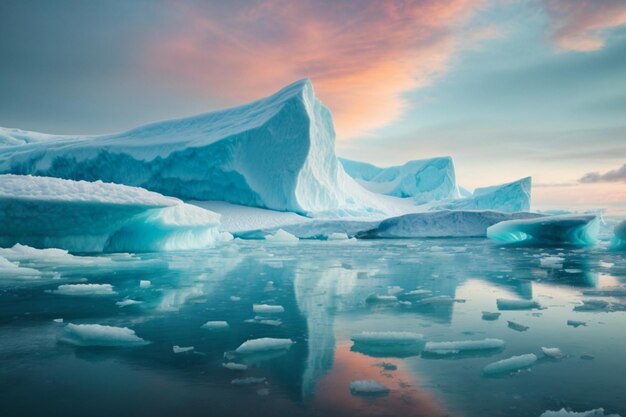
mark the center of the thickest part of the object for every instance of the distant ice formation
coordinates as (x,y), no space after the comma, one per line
(568,229)
(511,197)
(83,216)
(424,180)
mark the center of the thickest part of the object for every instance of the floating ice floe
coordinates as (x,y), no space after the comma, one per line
(182,349)
(388,338)
(575,230)
(444,223)
(100,335)
(510,304)
(553,353)
(233,366)
(490,316)
(83,216)
(462,346)
(144,283)
(127,302)
(262,345)
(281,236)
(576,323)
(368,387)
(517,326)
(13,271)
(552,262)
(598,412)
(593,305)
(510,365)
(84,290)
(215,325)
(381,298)
(267,309)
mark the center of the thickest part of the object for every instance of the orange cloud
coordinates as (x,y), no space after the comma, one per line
(362,56)
(579,25)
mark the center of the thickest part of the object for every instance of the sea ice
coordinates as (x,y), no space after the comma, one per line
(267,309)
(85,290)
(368,387)
(13,270)
(462,346)
(235,366)
(554,353)
(99,335)
(215,325)
(282,236)
(510,304)
(489,316)
(263,344)
(569,229)
(598,412)
(518,327)
(127,302)
(510,365)
(182,349)
(144,283)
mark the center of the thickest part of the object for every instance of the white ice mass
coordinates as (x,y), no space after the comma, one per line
(262,345)
(461,346)
(568,229)
(510,365)
(511,197)
(368,387)
(424,180)
(598,412)
(99,335)
(83,216)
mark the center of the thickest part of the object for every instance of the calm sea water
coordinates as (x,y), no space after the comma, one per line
(323,287)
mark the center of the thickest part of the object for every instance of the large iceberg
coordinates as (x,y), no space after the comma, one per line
(444,223)
(425,180)
(277,153)
(83,216)
(568,229)
(510,197)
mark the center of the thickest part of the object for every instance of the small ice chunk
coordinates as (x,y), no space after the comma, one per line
(554,353)
(419,293)
(267,309)
(281,236)
(592,305)
(235,366)
(552,262)
(510,365)
(84,289)
(376,298)
(518,327)
(388,338)
(127,302)
(99,335)
(606,265)
(337,236)
(182,349)
(576,323)
(489,316)
(456,347)
(58,320)
(250,380)
(263,344)
(508,304)
(368,387)
(598,412)
(234,298)
(393,290)
(144,283)
(437,300)
(215,325)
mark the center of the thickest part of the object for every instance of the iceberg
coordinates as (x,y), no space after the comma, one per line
(277,153)
(82,216)
(619,240)
(510,365)
(462,346)
(511,197)
(573,230)
(424,180)
(444,223)
(263,345)
(99,335)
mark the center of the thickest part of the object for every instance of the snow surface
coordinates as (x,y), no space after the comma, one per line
(510,365)
(569,229)
(85,216)
(99,335)
(445,223)
(277,153)
(511,197)
(424,180)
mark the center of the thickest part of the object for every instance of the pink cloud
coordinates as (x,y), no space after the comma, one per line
(362,56)
(579,25)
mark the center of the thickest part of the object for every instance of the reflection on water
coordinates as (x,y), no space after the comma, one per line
(330,292)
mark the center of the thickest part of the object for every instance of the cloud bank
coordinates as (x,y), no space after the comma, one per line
(616,175)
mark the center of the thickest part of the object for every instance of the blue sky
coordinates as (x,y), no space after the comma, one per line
(507,88)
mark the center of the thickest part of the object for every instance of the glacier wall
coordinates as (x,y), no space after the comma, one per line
(424,180)
(82,216)
(277,153)
(568,229)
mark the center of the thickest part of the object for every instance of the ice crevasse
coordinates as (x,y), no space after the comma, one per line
(276,152)
(83,216)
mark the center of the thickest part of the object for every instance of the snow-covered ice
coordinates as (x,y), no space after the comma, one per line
(100,335)
(368,387)
(281,236)
(567,229)
(511,197)
(215,325)
(233,366)
(182,349)
(85,290)
(267,309)
(553,353)
(510,365)
(263,344)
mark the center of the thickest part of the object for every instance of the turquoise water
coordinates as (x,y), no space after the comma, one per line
(323,287)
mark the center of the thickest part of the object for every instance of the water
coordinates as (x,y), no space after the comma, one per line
(323,287)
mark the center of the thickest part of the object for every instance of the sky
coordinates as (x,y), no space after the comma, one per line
(507,88)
